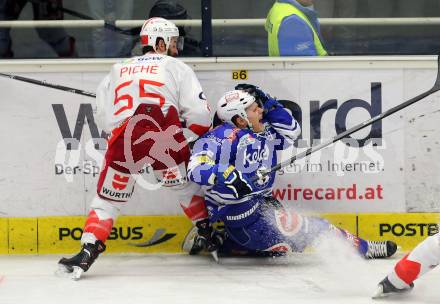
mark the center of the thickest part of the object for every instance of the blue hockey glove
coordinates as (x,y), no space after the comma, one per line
(270,104)
(232,179)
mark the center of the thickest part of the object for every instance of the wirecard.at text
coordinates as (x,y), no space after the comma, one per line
(352,192)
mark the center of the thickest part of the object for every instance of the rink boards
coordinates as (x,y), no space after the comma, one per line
(54,149)
(54,144)
(165,234)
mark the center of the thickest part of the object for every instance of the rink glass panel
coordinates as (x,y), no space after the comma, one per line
(244,41)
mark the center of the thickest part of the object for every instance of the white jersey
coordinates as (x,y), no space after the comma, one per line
(153,79)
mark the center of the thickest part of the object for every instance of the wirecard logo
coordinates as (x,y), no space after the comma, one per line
(318,109)
(72,139)
(72,134)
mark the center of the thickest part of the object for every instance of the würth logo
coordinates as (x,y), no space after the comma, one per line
(119,182)
(117,186)
(169,174)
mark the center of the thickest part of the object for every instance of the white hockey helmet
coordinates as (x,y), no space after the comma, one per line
(234,103)
(156,27)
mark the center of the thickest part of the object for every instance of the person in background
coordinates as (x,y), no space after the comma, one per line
(107,43)
(293,29)
(57,38)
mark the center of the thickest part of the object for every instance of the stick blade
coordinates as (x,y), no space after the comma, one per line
(436,86)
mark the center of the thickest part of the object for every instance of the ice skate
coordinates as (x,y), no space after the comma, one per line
(195,244)
(386,288)
(380,249)
(75,266)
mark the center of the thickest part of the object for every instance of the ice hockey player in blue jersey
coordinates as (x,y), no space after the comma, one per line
(227,159)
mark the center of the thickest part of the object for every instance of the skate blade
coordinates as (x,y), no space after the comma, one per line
(64,272)
(215,255)
(378,294)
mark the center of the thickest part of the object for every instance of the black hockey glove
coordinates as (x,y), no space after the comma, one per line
(264,100)
(234,180)
(238,184)
(255,91)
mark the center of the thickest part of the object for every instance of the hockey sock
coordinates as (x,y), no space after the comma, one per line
(423,258)
(99,228)
(196,210)
(407,270)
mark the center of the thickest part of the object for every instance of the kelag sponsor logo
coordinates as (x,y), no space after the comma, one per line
(410,229)
(121,233)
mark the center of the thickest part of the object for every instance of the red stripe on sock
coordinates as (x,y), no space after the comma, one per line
(196,209)
(407,270)
(100,228)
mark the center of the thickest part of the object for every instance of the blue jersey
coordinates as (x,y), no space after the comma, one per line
(248,152)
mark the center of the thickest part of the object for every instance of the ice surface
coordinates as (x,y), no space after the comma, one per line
(300,278)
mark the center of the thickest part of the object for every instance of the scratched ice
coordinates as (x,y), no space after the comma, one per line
(341,278)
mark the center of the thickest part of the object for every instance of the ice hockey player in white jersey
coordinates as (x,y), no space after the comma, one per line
(144,103)
(424,257)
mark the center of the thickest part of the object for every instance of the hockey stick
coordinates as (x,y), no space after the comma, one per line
(50,85)
(358,127)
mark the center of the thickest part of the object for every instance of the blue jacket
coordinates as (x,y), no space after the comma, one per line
(298,42)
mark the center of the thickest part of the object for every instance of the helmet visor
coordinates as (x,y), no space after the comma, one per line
(176,42)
